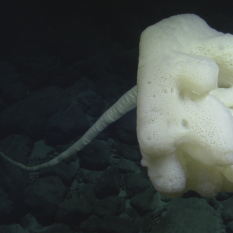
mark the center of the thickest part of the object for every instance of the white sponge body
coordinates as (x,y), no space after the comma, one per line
(184,106)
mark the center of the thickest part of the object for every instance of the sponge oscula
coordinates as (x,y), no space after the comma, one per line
(185,106)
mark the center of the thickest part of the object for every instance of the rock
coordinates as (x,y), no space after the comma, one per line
(66,125)
(91,224)
(113,205)
(74,211)
(43,198)
(115,224)
(146,202)
(129,152)
(189,216)
(109,183)
(135,184)
(96,156)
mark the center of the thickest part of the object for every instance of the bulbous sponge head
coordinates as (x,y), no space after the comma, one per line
(185,106)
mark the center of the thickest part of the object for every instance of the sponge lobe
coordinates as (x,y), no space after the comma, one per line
(182,112)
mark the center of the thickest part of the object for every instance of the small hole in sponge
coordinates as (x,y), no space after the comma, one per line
(185,123)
